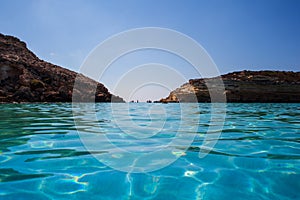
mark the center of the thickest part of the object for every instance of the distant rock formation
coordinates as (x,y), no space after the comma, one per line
(26,78)
(243,86)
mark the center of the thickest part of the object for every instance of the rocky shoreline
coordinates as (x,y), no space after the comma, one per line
(243,86)
(26,78)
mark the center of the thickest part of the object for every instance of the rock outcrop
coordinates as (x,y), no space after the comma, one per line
(243,86)
(26,78)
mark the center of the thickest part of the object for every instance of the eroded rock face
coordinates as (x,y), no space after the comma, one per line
(26,78)
(243,86)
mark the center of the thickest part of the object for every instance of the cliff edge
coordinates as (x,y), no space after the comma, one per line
(243,86)
(26,78)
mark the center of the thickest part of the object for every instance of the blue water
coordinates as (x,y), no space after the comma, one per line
(42,155)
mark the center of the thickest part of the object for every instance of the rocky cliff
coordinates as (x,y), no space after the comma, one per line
(26,78)
(243,86)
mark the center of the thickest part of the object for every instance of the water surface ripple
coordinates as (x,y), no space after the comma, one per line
(257,155)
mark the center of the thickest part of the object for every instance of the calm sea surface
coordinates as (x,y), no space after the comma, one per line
(42,155)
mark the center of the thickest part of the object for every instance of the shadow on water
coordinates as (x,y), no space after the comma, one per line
(20,120)
(8,174)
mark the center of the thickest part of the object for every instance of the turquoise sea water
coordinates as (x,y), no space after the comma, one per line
(42,156)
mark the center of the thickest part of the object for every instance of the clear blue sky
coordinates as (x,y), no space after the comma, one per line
(238,34)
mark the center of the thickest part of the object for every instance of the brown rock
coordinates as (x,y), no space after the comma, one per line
(26,78)
(244,86)
(23,93)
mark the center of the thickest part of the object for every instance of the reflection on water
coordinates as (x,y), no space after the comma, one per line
(256,157)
